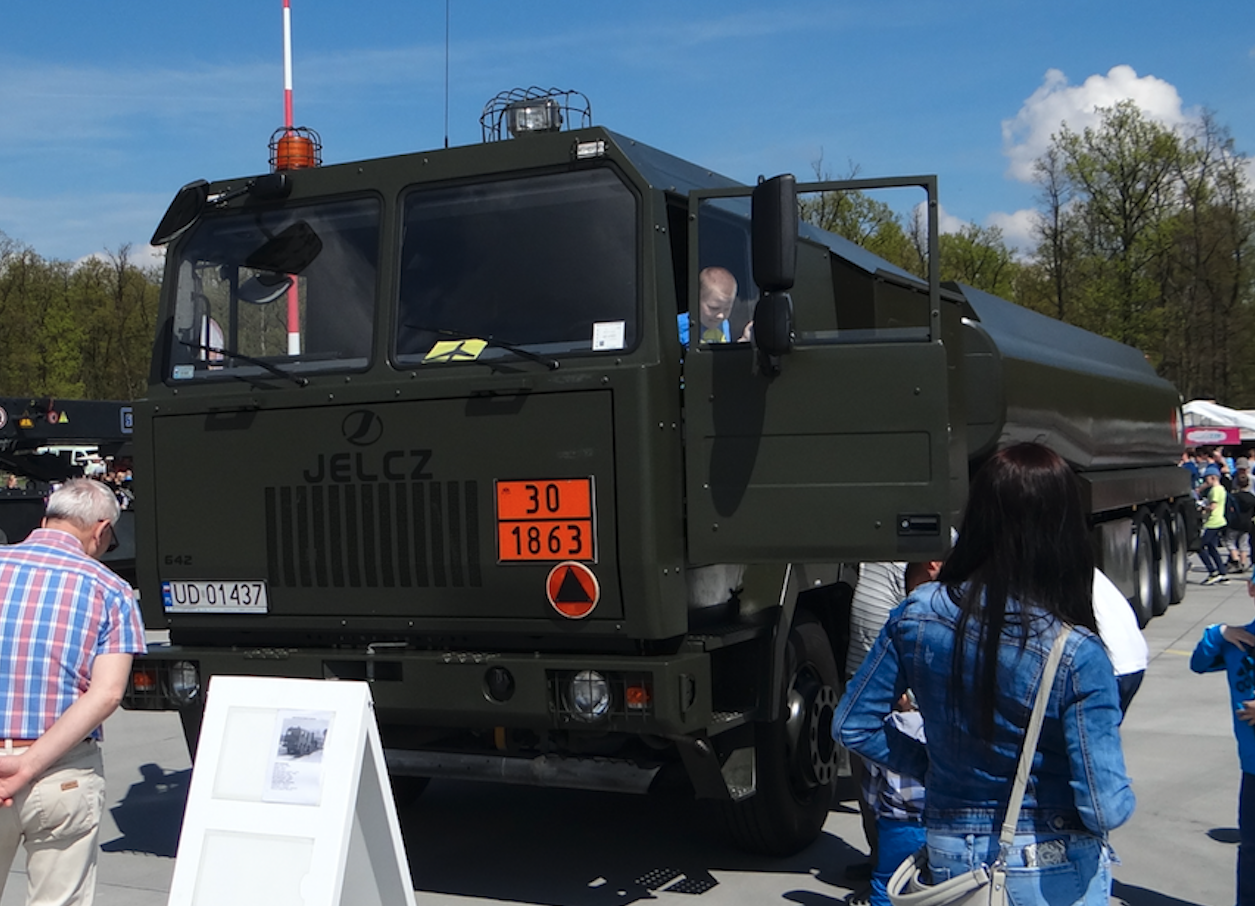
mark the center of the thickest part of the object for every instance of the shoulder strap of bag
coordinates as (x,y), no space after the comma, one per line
(1029,748)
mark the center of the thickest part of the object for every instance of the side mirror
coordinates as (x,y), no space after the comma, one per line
(189,202)
(775,216)
(773,324)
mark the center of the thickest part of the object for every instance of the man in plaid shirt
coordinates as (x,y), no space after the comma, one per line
(68,629)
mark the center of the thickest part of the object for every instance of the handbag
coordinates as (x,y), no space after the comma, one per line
(985,885)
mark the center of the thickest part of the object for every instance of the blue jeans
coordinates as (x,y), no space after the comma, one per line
(896,840)
(1246,841)
(1209,553)
(1069,869)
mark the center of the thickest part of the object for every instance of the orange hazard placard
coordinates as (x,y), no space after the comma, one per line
(565,498)
(546,519)
(573,590)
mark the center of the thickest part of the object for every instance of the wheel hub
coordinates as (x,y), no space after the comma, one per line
(809,724)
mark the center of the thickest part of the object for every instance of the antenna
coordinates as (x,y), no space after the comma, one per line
(287,65)
(292,148)
(294,301)
(446,73)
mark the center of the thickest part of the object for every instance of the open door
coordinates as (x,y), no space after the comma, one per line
(846,452)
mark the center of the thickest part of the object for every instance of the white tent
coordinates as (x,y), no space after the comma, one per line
(1204,412)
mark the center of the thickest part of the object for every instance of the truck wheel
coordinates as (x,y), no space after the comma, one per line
(1162,530)
(1143,599)
(1180,556)
(796,756)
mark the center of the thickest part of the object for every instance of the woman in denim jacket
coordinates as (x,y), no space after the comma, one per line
(1022,567)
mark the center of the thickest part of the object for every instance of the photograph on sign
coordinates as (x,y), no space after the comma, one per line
(295,772)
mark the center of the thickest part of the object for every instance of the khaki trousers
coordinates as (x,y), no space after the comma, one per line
(57,820)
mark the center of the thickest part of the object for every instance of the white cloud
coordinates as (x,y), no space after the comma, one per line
(142,256)
(1027,136)
(946,222)
(1019,229)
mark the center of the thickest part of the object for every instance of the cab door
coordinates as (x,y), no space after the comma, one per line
(846,453)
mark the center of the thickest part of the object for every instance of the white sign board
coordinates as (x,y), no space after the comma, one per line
(289,803)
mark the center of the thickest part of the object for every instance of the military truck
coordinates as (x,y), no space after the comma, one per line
(426,422)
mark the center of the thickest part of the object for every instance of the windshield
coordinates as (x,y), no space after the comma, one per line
(546,264)
(264,294)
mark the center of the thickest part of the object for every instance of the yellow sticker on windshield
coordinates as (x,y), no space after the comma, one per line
(455,351)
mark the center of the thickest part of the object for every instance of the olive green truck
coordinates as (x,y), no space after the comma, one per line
(426,422)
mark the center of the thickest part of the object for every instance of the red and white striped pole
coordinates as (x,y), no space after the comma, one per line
(294,305)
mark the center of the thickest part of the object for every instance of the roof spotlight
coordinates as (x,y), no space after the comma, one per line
(533,115)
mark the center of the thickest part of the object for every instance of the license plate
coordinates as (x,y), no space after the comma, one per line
(215,597)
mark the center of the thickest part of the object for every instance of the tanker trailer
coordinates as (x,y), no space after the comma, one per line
(1100,405)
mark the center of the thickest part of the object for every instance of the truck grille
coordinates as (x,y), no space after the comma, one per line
(377,535)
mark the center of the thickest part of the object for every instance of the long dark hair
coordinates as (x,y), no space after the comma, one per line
(1023,539)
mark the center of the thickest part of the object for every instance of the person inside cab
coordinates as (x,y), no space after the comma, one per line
(718,290)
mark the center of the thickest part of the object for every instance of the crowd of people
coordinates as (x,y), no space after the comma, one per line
(1225,494)
(117,479)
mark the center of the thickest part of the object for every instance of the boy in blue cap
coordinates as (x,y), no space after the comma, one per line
(1232,649)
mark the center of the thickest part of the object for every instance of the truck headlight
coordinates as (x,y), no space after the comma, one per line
(589,695)
(184,683)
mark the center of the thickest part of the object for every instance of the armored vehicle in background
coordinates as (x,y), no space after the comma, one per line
(426,422)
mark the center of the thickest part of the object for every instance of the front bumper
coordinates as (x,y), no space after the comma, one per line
(667,695)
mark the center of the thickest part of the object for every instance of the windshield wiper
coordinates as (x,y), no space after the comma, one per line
(273,369)
(521,352)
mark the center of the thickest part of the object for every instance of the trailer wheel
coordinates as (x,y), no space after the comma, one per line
(1180,556)
(796,756)
(1162,530)
(1143,600)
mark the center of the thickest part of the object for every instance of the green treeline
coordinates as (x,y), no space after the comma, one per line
(75,331)
(1143,234)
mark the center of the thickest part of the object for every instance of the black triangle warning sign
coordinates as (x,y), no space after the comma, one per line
(573,589)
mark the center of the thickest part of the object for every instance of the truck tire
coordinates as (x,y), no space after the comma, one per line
(796,755)
(1180,555)
(1162,530)
(1143,598)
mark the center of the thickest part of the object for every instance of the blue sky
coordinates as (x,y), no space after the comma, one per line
(107,108)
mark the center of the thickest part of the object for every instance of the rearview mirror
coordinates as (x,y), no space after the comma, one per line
(288,252)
